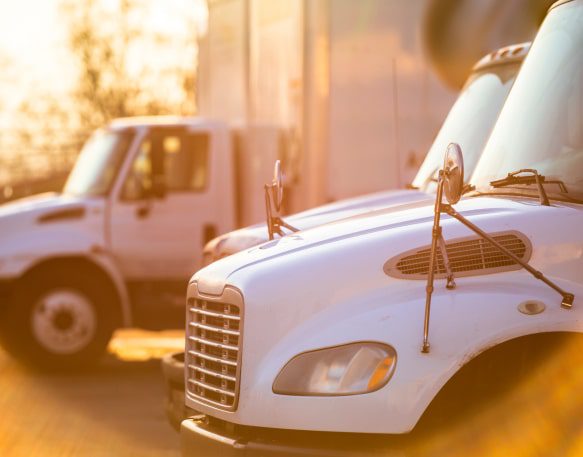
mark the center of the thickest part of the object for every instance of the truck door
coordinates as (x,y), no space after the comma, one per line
(160,219)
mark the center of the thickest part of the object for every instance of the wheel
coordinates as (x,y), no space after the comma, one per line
(60,319)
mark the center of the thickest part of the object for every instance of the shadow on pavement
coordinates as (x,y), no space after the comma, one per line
(115,408)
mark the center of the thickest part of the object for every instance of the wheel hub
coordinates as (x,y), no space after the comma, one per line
(64,321)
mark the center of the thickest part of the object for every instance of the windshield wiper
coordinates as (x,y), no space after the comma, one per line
(517,177)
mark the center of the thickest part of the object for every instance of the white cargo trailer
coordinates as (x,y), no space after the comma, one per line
(347,81)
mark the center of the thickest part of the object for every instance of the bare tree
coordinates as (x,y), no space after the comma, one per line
(120,71)
(104,42)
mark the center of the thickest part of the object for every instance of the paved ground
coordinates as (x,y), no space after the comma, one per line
(114,410)
(117,410)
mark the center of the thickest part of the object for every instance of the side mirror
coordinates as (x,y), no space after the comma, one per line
(158,172)
(277,186)
(451,182)
(273,202)
(158,186)
(453,173)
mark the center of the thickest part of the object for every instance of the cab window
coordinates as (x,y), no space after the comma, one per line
(176,157)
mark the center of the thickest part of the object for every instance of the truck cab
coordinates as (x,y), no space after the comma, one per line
(321,332)
(117,246)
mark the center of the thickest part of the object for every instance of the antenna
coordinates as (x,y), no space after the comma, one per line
(396,122)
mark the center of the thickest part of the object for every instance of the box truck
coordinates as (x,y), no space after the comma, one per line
(116,247)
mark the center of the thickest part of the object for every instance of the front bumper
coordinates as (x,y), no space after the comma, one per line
(199,436)
(173,370)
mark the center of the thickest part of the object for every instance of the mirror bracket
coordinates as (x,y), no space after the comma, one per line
(143,210)
(452,177)
(273,200)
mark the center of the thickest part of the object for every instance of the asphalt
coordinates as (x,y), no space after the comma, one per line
(115,409)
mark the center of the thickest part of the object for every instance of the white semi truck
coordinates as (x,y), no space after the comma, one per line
(326,333)
(117,246)
(469,122)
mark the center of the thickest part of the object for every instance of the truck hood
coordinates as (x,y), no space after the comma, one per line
(45,226)
(244,238)
(386,222)
(358,205)
(42,208)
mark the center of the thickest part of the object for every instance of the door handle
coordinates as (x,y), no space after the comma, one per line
(143,210)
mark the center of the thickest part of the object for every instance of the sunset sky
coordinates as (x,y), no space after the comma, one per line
(33,49)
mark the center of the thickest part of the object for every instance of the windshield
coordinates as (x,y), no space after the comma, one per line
(470,120)
(98,163)
(541,125)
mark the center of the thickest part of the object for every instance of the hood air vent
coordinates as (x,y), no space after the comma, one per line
(469,256)
(63,214)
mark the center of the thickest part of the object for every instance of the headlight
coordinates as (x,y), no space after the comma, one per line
(236,243)
(227,245)
(351,369)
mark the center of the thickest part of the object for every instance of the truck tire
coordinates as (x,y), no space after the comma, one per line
(59,319)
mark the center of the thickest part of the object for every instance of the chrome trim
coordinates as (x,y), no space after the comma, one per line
(213,373)
(212,314)
(212,388)
(212,328)
(213,343)
(214,337)
(212,359)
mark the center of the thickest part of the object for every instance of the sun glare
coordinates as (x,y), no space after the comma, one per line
(34,57)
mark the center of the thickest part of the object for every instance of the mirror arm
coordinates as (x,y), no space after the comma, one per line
(283,223)
(568,298)
(435,235)
(450,284)
(270,222)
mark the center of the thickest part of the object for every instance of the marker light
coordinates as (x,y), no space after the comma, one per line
(351,369)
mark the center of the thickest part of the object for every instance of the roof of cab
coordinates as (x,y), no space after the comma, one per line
(559,3)
(505,55)
(166,121)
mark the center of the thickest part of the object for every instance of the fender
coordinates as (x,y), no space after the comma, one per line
(24,251)
(466,323)
(482,313)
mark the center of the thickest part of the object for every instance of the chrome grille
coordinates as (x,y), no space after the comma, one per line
(213,352)
(467,257)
